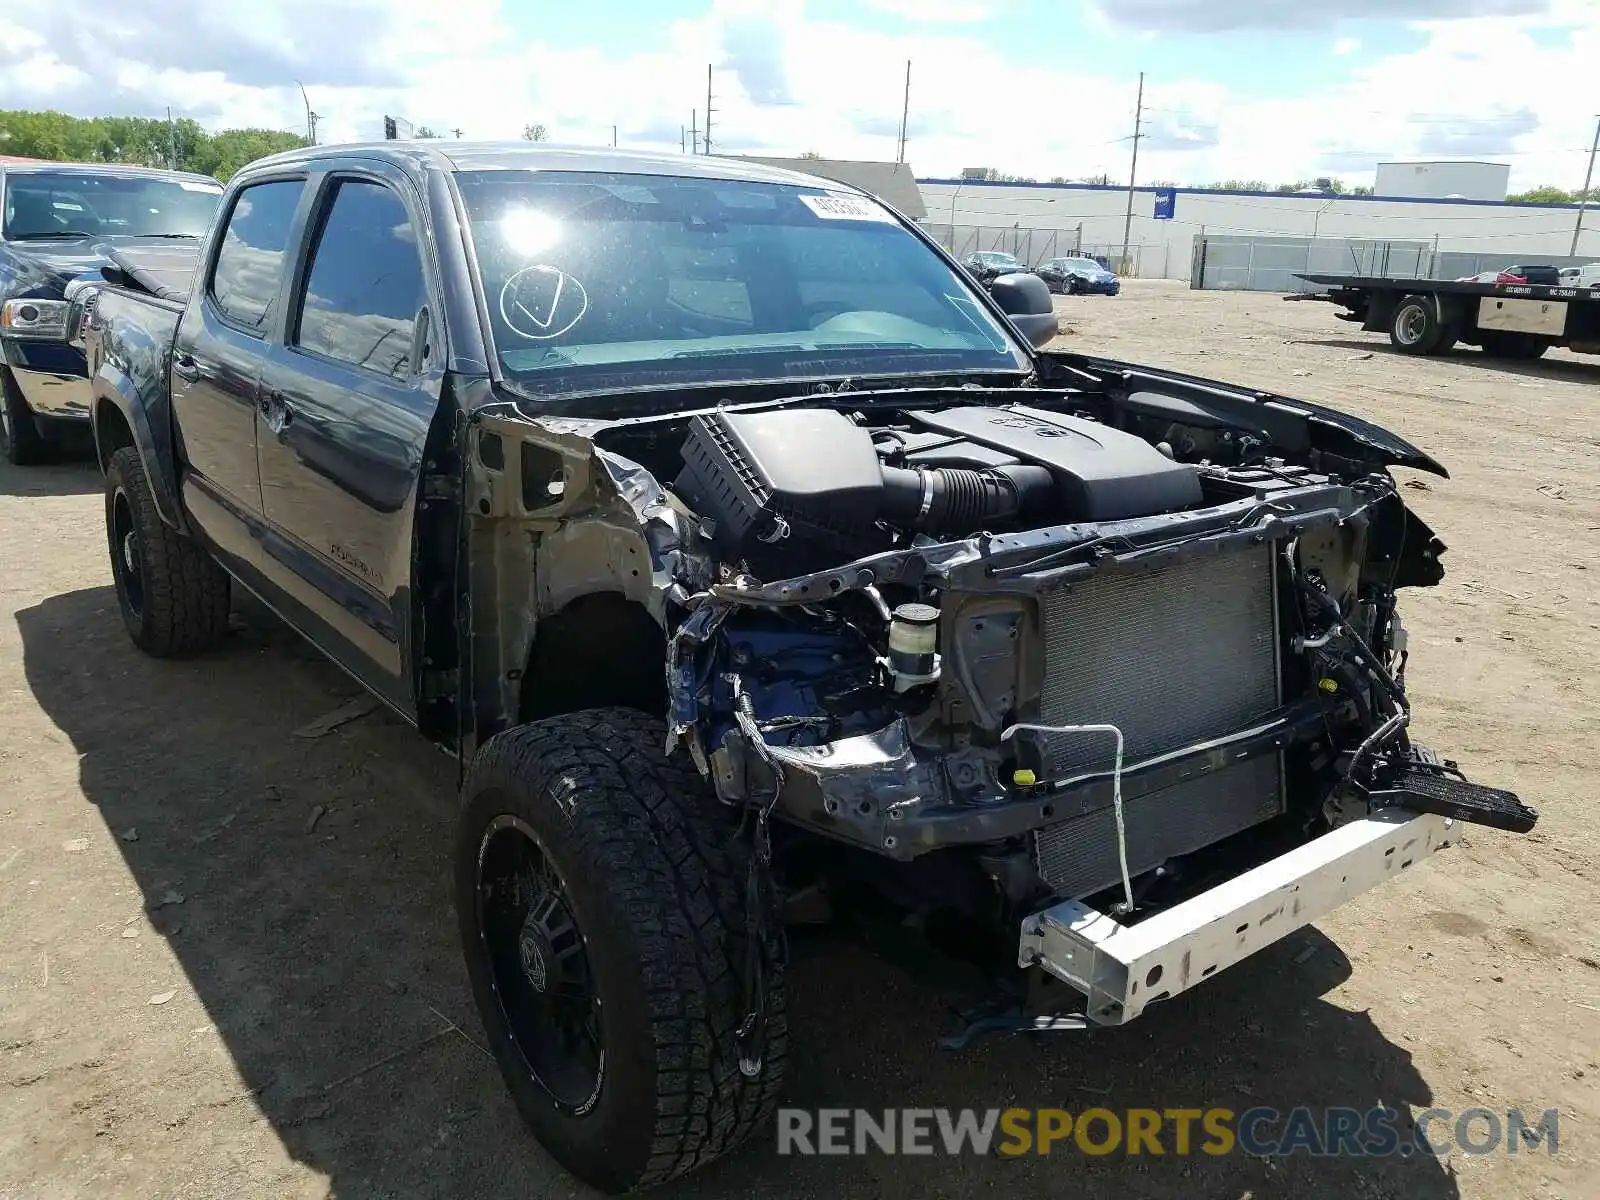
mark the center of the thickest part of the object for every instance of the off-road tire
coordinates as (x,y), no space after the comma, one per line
(657,885)
(175,600)
(1415,328)
(21,443)
(1524,347)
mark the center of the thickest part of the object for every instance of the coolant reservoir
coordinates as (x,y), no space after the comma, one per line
(913,645)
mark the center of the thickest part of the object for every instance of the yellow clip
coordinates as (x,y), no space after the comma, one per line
(1328,685)
(1024,778)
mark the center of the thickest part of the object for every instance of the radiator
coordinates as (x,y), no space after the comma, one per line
(1171,653)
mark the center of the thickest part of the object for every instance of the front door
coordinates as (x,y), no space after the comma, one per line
(345,407)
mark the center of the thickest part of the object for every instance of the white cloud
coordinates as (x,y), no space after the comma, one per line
(788,81)
(936,10)
(1346,45)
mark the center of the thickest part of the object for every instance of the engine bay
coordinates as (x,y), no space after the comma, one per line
(794,490)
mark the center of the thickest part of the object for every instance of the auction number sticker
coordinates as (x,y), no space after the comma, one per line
(835,207)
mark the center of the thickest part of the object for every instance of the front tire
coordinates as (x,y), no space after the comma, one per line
(20,441)
(173,596)
(602,902)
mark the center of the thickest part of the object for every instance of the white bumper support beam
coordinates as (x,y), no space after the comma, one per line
(1124,969)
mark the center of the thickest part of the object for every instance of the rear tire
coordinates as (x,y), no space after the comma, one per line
(1414,327)
(173,596)
(1499,343)
(20,441)
(617,1035)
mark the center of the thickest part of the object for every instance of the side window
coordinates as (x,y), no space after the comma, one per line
(365,283)
(250,262)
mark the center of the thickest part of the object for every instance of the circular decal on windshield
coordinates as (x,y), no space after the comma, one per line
(540,303)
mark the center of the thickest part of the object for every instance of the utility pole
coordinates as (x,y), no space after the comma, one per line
(905,114)
(1583,200)
(613,137)
(172,142)
(708,108)
(457,132)
(1133,171)
(311,117)
(694,131)
(683,137)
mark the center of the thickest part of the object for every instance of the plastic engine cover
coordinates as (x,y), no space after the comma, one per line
(1103,473)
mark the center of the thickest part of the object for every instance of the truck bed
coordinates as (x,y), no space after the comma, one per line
(162,271)
(1376,283)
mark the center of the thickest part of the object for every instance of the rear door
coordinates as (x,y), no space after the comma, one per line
(222,342)
(346,404)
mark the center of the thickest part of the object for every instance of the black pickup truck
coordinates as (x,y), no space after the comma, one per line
(757,569)
(63,225)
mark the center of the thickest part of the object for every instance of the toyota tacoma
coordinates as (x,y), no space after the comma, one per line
(758,567)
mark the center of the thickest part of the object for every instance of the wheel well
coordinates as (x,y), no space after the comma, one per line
(600,651)
(111,432)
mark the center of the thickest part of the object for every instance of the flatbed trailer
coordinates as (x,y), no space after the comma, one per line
(1429,316)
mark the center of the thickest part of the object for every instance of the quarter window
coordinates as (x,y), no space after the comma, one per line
(365,284)
(250,262)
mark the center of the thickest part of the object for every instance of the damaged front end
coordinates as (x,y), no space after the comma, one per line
(1060,656)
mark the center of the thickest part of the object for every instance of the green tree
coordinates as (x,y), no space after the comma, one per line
(1328,184)
(181,144)
(424,131)
(1361,189)
(1237,185)
(532,133)
(810,156)
(1547,194)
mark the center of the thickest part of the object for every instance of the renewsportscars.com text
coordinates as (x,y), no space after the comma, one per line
(1260,1132)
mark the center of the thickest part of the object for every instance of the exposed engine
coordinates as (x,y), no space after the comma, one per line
(797,490)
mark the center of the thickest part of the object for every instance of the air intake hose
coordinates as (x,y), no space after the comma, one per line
(958,500)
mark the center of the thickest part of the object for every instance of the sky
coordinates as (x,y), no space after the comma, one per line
(1276,90)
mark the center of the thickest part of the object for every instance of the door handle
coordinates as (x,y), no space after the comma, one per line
(185,366)
(276,411)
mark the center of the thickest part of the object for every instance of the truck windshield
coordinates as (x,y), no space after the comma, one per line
(599,280)
(46,204)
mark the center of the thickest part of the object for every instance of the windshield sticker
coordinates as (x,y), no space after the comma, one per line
(836,207)
(539,303)
(210,189)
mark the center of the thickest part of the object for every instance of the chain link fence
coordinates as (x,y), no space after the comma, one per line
(1238,262)
(1144,260)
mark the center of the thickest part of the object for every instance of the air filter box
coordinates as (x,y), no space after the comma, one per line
(788,492)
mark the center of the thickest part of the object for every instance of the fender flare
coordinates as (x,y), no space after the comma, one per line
(112,387)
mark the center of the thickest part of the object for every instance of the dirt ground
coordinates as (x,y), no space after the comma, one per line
(227,951)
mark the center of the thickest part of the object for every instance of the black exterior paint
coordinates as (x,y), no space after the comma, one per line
(309,477)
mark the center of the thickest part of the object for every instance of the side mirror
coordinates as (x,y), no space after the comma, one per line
(1026,300)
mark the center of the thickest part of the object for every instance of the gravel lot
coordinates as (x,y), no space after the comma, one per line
(227,952)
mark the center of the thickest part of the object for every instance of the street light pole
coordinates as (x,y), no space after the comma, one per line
(1583,199)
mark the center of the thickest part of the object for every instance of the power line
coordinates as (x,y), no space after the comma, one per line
(1583,196)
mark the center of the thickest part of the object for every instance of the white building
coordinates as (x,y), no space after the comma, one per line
(1041,220)
(1436,180)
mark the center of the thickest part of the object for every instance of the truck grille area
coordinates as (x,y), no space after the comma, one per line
(1171,653)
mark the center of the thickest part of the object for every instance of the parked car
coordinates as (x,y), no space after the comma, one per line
(1078,276)
(61,223)
(1586,276)
(988,264)
(740,549)
(1515,274)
